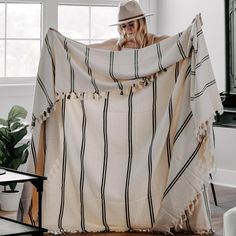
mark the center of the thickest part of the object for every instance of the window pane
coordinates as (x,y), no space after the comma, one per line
(101,18)
(73,21)
(23,20)
(22,57)
(2,20)
(1,58)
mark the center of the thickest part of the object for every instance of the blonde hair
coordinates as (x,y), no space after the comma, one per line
(142,37)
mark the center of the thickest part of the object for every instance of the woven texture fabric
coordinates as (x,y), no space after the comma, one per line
(127,138)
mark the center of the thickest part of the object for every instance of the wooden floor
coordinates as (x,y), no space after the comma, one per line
(226,198)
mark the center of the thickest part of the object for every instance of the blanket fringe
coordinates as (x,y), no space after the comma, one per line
(189,209)
(202,131)
(44,115)
(135,87)
(58,232)
(202,128)
(178,224)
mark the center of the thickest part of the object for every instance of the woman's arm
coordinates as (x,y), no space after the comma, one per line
(158,39)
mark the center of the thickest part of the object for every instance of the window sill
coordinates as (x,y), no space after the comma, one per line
(15,90)
(17,80)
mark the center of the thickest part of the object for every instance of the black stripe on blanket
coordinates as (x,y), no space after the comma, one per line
(188,162)
(20,212)
(168,142)
(176,71)
(130,146)
(72,72)
(63,174)
(188,71)
(159,56)
(206,203)
(111,73)
(214,138)
(105,160)
(187,222)
(33,151)
(182,53)
(200,63)
(188,118)
(136,76)
(199,32)
(82,150)
(90,73)
(203,90)
(50,53)
(150,202)
(41,84)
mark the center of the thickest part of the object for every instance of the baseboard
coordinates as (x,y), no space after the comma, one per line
(225,177)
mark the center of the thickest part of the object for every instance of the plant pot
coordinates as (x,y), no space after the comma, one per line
(9,200)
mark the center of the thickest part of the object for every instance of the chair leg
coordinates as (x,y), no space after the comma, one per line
(213,192)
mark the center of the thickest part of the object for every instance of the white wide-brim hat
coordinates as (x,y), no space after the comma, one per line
(129,10)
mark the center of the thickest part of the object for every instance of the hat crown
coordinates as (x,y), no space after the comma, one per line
(128,10)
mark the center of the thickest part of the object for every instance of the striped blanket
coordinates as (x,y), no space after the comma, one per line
(125,137)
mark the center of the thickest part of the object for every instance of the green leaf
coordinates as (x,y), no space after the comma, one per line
(15,113)
(18,151)
(15,163)
(12,131)
(5,136)
(7,158)
(3,122)
(3,159)
(18,134)
(16,125)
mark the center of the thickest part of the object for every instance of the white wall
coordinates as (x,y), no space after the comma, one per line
(16,95)
(175,15)
(151,6)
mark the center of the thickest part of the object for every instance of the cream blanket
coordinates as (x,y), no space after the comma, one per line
(127,135)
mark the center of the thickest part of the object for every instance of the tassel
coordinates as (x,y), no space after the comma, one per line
(140,85)
(81,96)
(152,79)
(85,96)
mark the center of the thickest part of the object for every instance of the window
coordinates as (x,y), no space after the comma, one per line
(87,23)
(20,37)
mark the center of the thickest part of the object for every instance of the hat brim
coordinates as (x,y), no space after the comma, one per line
(135,18)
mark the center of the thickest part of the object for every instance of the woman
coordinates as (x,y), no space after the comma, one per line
(132,28)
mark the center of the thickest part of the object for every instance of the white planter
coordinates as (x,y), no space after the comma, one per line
(9,201)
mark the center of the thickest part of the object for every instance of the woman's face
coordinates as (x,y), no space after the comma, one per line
(130,28)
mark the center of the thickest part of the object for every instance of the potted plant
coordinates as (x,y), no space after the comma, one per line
(13,152)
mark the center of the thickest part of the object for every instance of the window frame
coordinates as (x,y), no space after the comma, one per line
(21,80)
